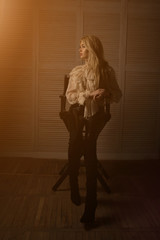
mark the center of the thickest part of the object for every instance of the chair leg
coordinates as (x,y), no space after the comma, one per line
(64,174)
(103,172)
(103,182)
(100,173)
(63,169)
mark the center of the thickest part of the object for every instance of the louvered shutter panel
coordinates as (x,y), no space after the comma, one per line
(16,78)
(39,43)
(57,56)
(102,18)
(142,85)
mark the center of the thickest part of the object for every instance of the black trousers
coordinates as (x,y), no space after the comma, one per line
(85,145)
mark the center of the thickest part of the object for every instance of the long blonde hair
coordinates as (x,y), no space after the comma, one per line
(95,60)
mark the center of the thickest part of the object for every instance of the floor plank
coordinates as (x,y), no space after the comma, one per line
(30,210)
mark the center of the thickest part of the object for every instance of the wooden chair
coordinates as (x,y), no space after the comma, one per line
(102,175)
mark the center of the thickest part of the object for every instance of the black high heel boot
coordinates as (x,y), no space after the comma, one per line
(88,216)
(75,196)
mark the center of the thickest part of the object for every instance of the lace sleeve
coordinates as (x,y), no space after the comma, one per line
(71,92)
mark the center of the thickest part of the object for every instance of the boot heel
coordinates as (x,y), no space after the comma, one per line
(89,214)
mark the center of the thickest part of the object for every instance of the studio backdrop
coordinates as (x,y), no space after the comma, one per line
(39,43)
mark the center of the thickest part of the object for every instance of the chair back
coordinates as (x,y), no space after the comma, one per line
(64,115)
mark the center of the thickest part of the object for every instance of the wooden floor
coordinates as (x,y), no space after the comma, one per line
(30,210)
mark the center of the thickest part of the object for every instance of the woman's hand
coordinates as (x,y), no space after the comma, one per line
(98,94)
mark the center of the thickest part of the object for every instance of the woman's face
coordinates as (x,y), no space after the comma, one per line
(83,51)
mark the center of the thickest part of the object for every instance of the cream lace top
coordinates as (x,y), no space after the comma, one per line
(82,82)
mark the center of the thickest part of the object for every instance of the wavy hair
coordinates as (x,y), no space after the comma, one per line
(95,60)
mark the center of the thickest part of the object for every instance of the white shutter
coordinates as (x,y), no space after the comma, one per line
(142,85)
(102,18)
(39,44)
(57,56)
(16,79)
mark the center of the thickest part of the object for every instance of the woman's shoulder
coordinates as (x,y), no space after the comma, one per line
(76,70)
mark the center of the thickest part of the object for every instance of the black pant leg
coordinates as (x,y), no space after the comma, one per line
(94,126)
(75,148)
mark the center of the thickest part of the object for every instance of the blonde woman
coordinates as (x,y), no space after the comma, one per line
(92,88)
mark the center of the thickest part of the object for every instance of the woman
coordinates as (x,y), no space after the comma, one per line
(92,87)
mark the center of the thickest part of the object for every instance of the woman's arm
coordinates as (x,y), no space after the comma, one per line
(71,92)
(99,94)
(112,93)
(75,92)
